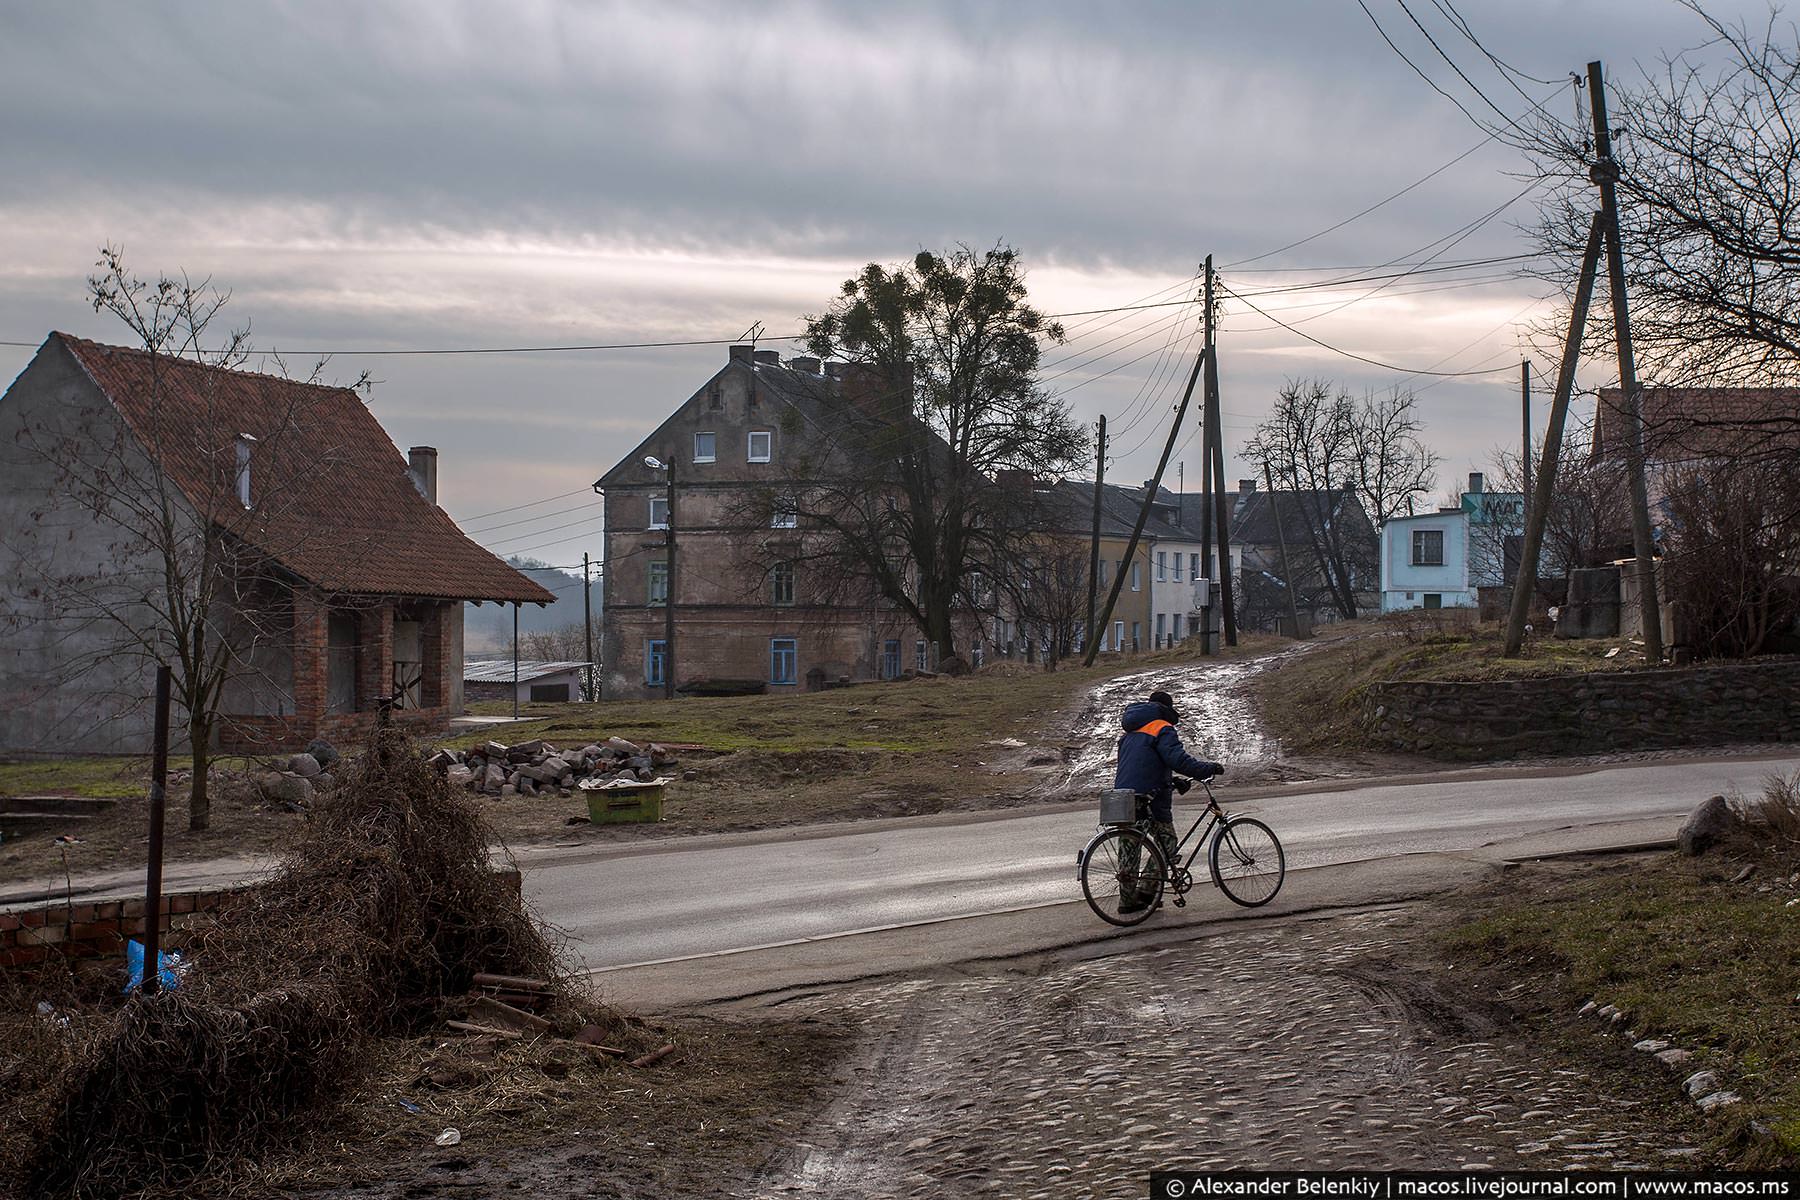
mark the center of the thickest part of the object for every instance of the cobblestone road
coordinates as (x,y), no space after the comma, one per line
(1291,1045)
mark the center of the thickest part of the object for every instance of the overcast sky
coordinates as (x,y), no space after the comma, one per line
(438,175)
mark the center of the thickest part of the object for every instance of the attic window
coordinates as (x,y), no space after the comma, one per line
(714,398)
(244,443)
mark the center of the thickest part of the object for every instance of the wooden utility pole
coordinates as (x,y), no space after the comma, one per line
(1287,575)
(1221,511)
(1525,443)
(1137,530)
(1094,554)
(587,618)
(1207,644)
(1525,582)
(1605,173)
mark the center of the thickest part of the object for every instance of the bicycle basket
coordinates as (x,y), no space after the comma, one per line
(1118,807)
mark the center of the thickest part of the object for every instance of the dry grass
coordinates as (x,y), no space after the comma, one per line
(387,907)
(1313,703)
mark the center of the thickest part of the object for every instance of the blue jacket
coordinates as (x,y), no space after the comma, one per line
(1149,754)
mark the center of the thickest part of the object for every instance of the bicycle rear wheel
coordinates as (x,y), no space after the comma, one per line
(1247,862)
(1122,876)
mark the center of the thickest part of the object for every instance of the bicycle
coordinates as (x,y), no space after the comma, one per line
(1122,865)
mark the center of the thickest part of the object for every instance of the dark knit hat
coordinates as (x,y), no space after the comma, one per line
(1167,701)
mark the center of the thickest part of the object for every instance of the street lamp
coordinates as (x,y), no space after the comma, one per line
(656,464)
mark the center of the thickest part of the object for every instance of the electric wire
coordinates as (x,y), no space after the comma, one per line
(1374,362)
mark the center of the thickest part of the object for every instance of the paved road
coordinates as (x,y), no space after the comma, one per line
(639,905)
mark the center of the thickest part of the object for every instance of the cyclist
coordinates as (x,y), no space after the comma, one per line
(1150,753)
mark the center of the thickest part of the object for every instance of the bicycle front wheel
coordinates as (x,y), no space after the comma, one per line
(1247,862)
(1122,876)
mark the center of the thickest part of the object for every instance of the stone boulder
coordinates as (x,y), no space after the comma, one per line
(286,788)
(324,752)
(304,765)
(1706,826)
(954,665)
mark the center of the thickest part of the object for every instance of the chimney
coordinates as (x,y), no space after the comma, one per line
(808,365)
(1246,487)
(1475,482)
(770,358)
(740,353)
(421,464)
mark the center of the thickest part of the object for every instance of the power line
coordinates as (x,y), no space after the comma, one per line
(1423,179)
(561,512)
(529,504)
(1374,362)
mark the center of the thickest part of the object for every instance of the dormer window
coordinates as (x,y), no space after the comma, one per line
(244,443)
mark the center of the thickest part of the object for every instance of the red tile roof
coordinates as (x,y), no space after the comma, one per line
(331,497)
(1686,424)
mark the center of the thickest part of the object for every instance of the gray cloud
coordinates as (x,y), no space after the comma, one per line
(452,174)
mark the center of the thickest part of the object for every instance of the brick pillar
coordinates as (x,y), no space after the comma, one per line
(375,664)
(435,655)
(311,647)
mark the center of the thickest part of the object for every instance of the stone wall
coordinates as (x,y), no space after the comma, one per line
(1588,714)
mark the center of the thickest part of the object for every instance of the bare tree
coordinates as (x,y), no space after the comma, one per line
(1733,559)
(1390,465)
(1312,446)
(176,564)
(1049,592)
(1589,523)
(915,487)
(1708,205)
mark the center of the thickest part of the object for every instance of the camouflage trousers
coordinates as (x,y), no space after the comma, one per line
(1137,884)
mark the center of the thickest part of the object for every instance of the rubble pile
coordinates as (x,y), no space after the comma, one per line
(537,768)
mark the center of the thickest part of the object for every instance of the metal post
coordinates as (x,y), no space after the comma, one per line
(1093,596)
(159,790)
(1525,582)
(587,616)
(669,600)
(1605,173)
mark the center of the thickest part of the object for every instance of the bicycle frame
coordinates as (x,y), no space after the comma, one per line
(1212,816)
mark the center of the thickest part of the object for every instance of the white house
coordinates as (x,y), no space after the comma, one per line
(1425,561)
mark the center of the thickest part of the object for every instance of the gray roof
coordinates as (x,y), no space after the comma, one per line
(500,670)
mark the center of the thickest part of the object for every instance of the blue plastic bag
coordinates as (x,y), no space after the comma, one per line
(169,967)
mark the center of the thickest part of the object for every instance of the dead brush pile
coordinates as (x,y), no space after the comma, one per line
(386,909)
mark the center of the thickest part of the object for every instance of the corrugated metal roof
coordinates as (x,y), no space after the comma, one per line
(500,670)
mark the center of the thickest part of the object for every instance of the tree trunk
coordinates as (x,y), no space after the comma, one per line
(199,803)
(940,629)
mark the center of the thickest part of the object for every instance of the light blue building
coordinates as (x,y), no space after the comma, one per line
(1442,559)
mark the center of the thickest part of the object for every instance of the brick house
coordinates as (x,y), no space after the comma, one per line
(740,622)
(346,580)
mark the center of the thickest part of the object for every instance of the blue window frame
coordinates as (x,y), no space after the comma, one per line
(784,655)
(655,661)
(890,659)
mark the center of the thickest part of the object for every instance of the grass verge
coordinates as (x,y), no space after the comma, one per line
(1313,704)
(1693,951)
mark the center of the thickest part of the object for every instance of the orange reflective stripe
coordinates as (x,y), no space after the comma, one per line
(1154,728)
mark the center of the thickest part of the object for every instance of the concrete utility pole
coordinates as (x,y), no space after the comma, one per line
(1221,511)
(1605,173)
(1207,644)
(587,618)
(515,684)
(1094,556)
(1538,513)
(1137,530)
(1525,445)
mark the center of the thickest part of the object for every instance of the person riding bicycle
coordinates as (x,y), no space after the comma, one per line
(1150,753)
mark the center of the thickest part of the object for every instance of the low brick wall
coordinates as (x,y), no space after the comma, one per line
(1588,714)
(98,929)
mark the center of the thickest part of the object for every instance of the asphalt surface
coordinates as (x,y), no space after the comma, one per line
(703,897)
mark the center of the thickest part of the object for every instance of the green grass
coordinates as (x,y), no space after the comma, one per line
(106,778)
(1705,964)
